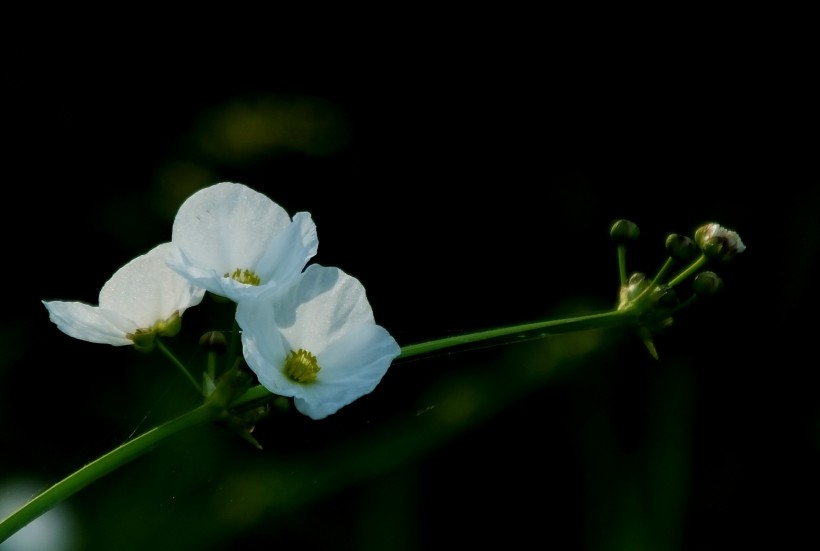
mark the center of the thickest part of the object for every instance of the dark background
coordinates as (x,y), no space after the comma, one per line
(467,188)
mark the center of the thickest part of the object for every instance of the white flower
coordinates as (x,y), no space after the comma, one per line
(718,242)
(142,299)
(317,342)
(236,242)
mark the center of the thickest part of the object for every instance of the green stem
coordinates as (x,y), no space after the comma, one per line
(695,266)
(662,272)
(622,264)
(103,465)
(550,327)
(233,346)
(211,369)
(612,318)
(216,408)
(176,362)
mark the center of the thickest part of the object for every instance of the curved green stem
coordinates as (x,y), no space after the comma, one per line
(103,465)
(217,408)
(170,355)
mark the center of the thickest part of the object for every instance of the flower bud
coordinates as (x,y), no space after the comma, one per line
(214,341)
(681,247)
(624,231)
(717,242)
(634,287)
(707,284)
(664,296)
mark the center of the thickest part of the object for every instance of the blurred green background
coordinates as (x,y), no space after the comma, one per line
(465,192)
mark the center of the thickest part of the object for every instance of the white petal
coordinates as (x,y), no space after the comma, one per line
(90,323)
(350,368)
(146,290)
(263,346)
(227,226)
(199,277)
(326,314)
(325,303)
(288,252)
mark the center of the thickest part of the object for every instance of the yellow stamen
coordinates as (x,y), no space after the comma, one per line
(301,366)
(248,277)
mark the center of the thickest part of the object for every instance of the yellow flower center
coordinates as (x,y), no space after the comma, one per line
(301,366)
(248,277)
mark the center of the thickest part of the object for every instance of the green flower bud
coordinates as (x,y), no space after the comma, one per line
(707,284)
(664,296)
(214,341)
(634,287)
(681,247)
(718,243)
(624,231)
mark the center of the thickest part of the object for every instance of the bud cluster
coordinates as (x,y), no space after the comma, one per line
(653,302)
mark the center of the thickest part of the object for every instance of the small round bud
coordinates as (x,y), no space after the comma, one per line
(681,247)
(717,242)
(636,279)
(664,296)
(624,231)
(281,403)
(634,287)
(214,341)
(707,284)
